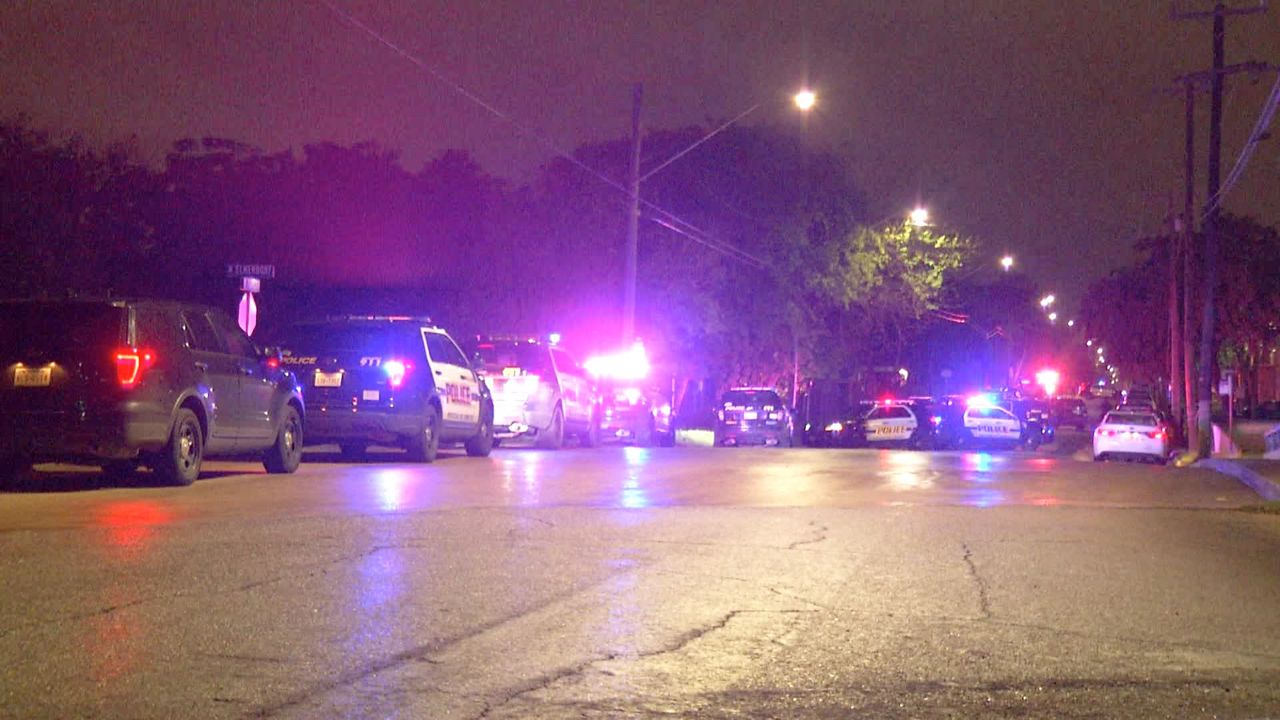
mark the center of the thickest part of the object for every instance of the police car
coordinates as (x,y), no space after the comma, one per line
(388,380)
(897,423)
(540,391)
(979,421)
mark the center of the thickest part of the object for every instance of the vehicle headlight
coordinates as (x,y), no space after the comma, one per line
(835,427)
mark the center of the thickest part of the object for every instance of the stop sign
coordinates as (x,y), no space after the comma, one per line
(248,316)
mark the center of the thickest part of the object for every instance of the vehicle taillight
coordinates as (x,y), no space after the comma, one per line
(1156,434)
(131,363)
(396,371)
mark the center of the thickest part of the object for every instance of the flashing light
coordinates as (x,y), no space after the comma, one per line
(554,338)
(834,427)
(935,420)
(665,409)
(980,401)
(396,370)
(632,395)
(887,402)
(130,362)
(630,364)
(1048,379)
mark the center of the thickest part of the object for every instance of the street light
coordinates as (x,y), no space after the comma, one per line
(1071,323)
(1006,262)
(804,100)
(1053,317)
(920,217)
(1047,300)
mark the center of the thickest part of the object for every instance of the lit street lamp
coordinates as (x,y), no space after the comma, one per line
(805,100)
(1053,317)
(1006,262)
(1047,300)
(1071,323)
(920,217)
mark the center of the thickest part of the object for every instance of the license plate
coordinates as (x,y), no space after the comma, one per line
(371,395)
(328,379)
(32,377)
(750,415)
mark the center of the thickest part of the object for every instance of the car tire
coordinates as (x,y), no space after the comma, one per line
(178,463)
(553,438)
(481,444)
(285,454)
(425,446)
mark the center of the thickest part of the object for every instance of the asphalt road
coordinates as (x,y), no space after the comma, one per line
(685,582)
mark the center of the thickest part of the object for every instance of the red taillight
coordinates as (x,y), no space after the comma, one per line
(1156,434)
(273,362)
(130,364)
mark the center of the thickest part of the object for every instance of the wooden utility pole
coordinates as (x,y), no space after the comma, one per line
(633,222)
(1204,399)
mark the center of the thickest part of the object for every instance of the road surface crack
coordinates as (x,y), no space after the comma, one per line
(820,534)
(984,603)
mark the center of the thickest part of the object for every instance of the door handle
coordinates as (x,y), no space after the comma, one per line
(202,366)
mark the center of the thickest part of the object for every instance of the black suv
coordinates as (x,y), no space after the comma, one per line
(122,383)
(388,381)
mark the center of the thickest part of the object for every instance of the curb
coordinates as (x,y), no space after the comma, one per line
(1267,488)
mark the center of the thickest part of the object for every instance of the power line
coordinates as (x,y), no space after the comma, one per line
(718,246)
(1259,129)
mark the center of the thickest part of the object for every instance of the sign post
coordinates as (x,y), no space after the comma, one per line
(250,284)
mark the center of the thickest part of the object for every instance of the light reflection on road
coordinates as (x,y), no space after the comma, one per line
(633,495)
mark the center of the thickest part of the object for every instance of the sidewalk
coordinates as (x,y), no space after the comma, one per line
(1260,474)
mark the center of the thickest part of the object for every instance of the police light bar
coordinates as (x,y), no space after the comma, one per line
(630,364)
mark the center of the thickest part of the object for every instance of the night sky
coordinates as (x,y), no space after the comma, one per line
(1040,126)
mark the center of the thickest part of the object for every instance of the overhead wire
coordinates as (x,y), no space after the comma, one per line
(1255,137)
(673,222)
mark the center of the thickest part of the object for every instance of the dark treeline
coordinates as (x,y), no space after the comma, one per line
(351,230)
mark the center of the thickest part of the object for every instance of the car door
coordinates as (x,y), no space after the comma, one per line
(257,389)
(457,382)
(576,390)
(217,370)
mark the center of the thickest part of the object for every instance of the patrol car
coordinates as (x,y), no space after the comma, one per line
(388,380)
(898,423)
(978,421)
(753,416)
(540,392)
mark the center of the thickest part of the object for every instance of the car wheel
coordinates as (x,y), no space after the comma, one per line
(119,471)
(424,446)
(1100,458)
(178,463)
(482,443)
(285,454)
(352,450)
(553,438)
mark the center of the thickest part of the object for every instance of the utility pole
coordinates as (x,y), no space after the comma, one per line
(633,221)
(1188,238)
(1204,399)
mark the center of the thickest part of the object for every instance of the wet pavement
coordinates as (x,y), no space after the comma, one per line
(624,582)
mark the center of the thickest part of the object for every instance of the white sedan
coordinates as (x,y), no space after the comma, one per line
(1131,433)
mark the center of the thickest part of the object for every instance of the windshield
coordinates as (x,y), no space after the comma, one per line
(58,327)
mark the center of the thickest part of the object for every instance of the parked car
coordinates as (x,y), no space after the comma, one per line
(636,414)
(540,392)
(1131,433)
(397,381)
(753,416)
(978,422)
(122,383)
(1069,411)
(895,423)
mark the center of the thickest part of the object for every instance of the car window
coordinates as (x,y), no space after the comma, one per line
(897,412)
(1130,419)
(751,398)
(58,327)
(565,362)
(498,356)
(876,414)
(199,331)
(441,349)
(236,342)
(156,329)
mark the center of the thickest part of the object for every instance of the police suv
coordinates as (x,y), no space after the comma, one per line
(396,380)
(897,423)
(540,392)
(978,421)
